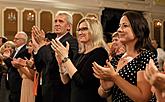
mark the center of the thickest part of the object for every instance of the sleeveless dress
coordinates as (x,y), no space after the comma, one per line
(27,90)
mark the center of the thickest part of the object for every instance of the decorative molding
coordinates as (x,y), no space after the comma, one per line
(3,10)
(39,17)
(94,14)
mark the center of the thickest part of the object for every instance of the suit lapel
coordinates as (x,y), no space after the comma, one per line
(65,37)
(22,49)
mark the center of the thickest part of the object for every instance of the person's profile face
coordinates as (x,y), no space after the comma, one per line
(30,47)
(19,40)
(61,25)
(125,31)
(154,43)
(115,41)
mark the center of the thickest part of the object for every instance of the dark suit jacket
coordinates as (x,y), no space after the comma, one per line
(53,90)
(14,78)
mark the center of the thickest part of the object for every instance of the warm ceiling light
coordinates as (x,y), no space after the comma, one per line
(159,23)
(11,16)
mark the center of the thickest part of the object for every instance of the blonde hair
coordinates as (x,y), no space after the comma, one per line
(9,43)
(115,34)
(96,31)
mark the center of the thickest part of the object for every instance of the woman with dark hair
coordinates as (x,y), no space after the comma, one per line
(123,76)
(2,40)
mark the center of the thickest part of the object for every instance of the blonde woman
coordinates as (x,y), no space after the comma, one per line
(7,46)
(91,48)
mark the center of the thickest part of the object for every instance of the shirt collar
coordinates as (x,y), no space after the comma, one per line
(18,48)
(58,38)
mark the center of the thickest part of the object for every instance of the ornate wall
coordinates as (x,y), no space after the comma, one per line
(16,17)
(25,14)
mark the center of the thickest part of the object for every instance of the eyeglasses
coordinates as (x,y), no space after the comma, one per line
(82,29)
(18,38)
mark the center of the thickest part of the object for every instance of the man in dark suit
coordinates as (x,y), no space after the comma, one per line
(53,90)
(14,77)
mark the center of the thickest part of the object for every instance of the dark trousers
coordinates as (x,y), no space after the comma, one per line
(14,97)
(38,98)
(4,91)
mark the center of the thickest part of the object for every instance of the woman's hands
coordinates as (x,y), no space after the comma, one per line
(105,73)
(154,77)
(106,85)
(18,63)
(30,63)
(7,52)
(61,52)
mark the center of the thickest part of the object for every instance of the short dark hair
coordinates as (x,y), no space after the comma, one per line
(4,39)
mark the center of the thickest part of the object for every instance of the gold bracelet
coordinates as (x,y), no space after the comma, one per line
(65,59)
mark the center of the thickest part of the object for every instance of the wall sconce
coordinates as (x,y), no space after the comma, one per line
(158,24)
(11,17)
(30,17)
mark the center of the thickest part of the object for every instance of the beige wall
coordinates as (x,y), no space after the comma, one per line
(36,8)
(153,9)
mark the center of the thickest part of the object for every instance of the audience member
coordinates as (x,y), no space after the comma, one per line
(2,40)
(122,77)
(14,78)
(160,53)
(92,48)
(4,89)
(2,68)
(26,71)
(9,45)
(53,90)
(156,79)
(117,47)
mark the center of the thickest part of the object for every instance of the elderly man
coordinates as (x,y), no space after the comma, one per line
(53,90)
(14,77)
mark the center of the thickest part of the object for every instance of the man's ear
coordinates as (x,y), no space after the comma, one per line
(69,27)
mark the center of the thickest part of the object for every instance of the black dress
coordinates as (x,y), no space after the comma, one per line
(129,73)
(84,86)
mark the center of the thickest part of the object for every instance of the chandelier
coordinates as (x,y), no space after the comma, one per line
(30,17)
(158,24)
(11,17)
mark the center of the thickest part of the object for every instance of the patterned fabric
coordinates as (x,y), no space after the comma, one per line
(129,73)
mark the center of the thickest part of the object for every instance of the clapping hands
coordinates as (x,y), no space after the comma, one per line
(38,37)
(18,63)
(105,73)
(154,77)
(61,52)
